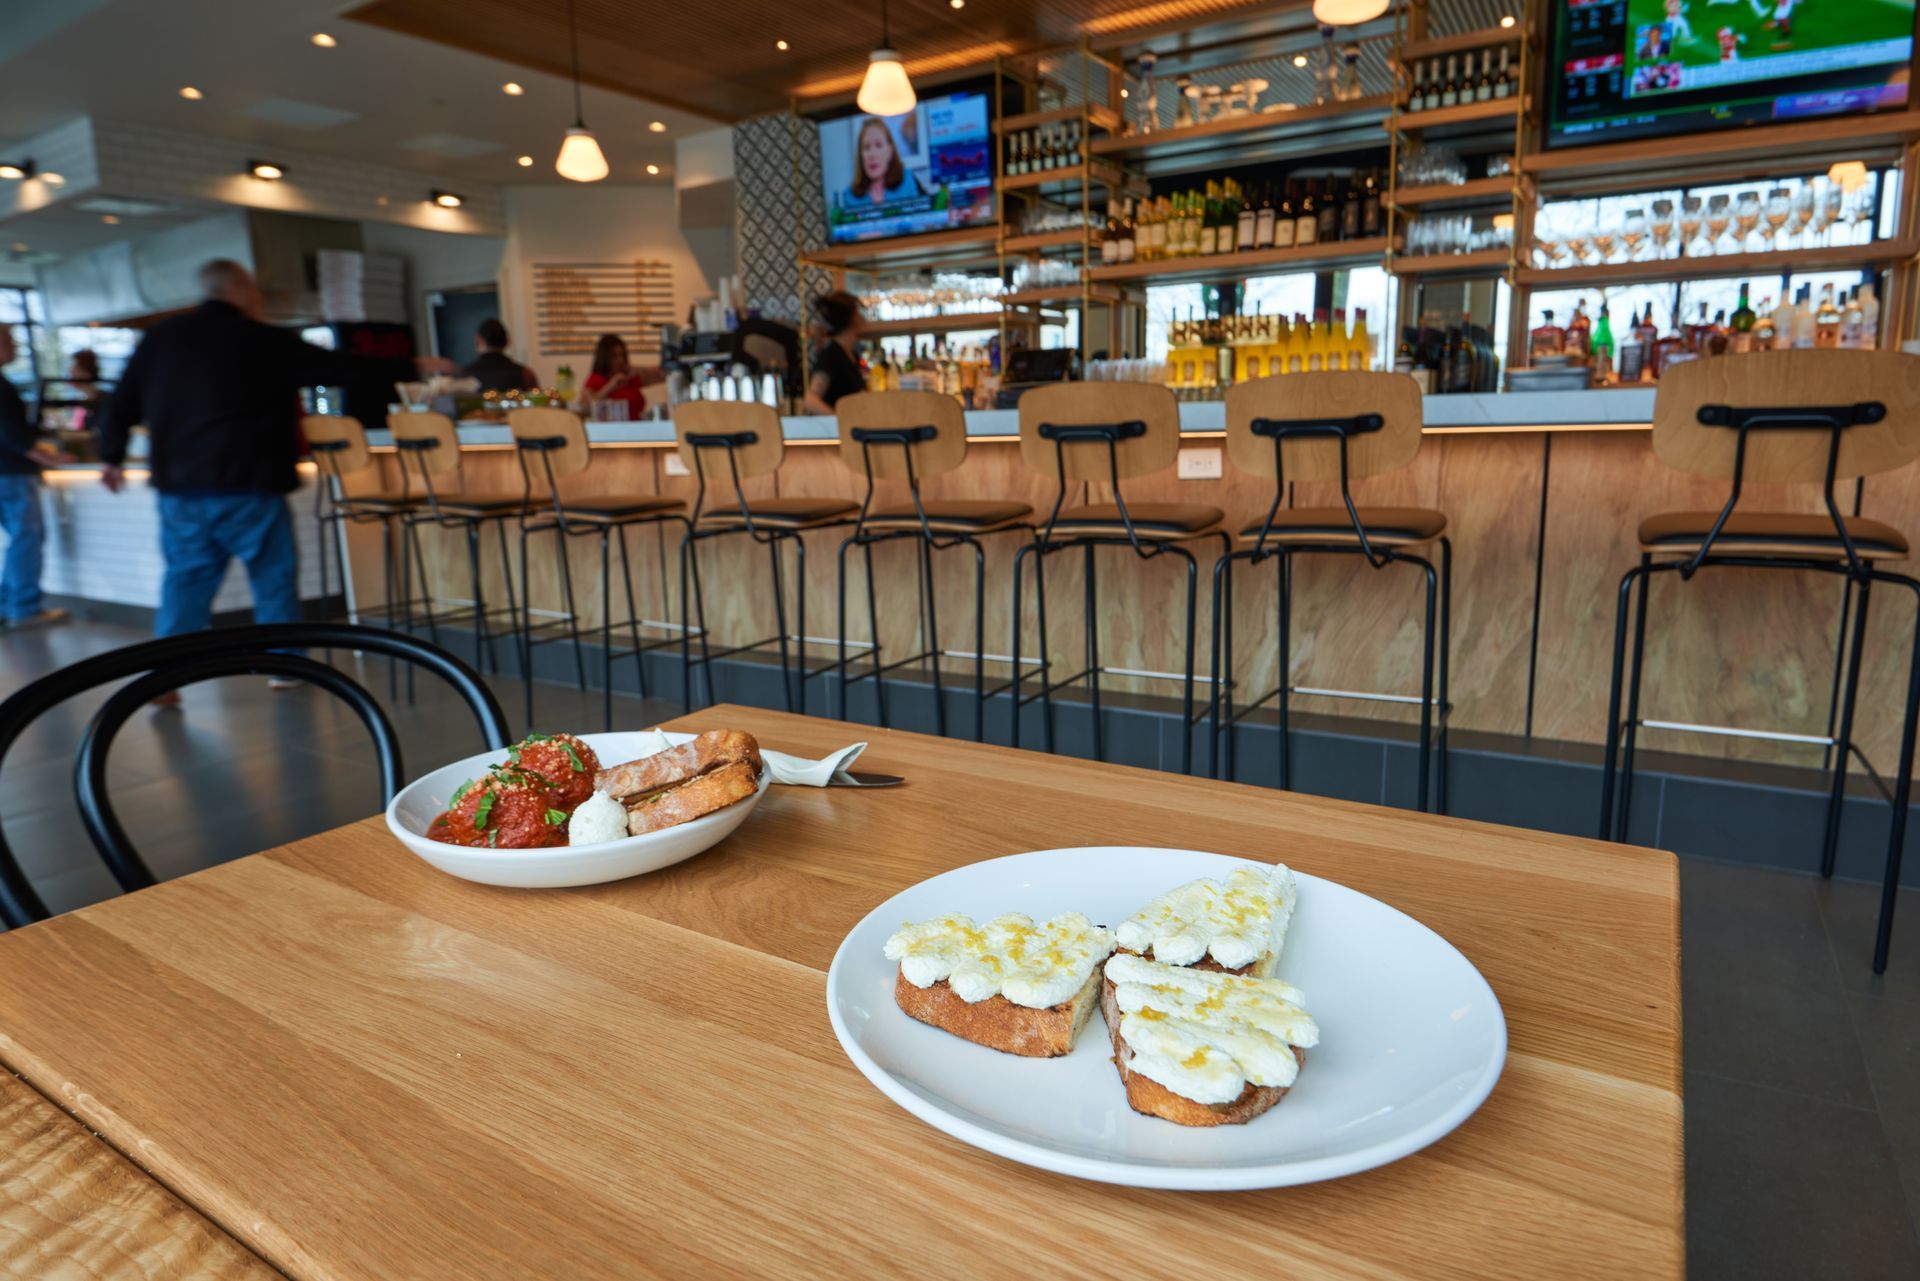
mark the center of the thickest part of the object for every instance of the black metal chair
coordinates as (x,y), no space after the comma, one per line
(1332,427)
(1782,417)
(1089,433)
(159,666)
(558,439)
(910,436)
(749,435)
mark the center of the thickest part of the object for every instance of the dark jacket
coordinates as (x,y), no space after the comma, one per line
(16,434)
(498,371)
(219,393)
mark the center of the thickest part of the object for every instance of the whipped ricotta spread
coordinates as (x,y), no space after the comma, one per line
(1038,966)
(1237,922)
(1206,1035)
(596,819)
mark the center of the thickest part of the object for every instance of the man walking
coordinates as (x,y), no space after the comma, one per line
(20,463)
(218,391)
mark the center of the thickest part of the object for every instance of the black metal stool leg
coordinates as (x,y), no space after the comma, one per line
(606,628)
(526,625)
(426,586)
(1426,686)
(1091,616)
(573,606)
(1837,794)
(800,622)
(933,638)
(633,613)
(1219,763)
(1046,658)
(979,640)
(840,631)
(779,622)
(506,582)
(479,607)
(1193,622)
(1634,674)
(1285,607)
(1902,790)
(1615,687)
(686,630)
(1013,648)
(873,636)
(1446,651)
(387,600)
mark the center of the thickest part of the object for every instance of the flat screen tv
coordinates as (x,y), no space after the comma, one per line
(1644,68)
(930,169)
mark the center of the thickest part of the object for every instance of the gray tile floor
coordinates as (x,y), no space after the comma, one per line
(1803,1067)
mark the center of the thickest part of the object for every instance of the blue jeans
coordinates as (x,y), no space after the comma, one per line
(26,534)
(200,533)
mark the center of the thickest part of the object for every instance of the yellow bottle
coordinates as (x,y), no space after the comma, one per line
(1275,348)
(1361,356)
(1297,345)
(1317,344)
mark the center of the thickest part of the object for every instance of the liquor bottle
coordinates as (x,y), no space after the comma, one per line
(1329,212)
(1450,91)
(1350,211)
(1579,340)
(1783,323)
(1336,341)
(1110,237)
(1162,211)
(1603,347)
(1297,343)
(1432,96)
(1546,338)
(1462,362)
(1466,81)
(1503,83)
(1763,336)
(1633,356)
(1210,218)
(1804,325)
(1417,94)
(1851,318)
(1740,328)
(1283,219)
(1316,352)
(1306,225)
(1129,233)
(1717,338)
(1349,87)
(1869,317)
(1483,87)
(1827,320)
(1011,166)
(1370,222)
(1073,143)
(1246,232)
(1360,345)
(1263,221)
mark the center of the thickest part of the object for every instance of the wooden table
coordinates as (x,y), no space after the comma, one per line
(360,1067)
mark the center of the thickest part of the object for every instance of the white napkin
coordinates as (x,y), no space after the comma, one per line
(795,770)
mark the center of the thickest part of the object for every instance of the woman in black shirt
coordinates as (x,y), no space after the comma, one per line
(836,365)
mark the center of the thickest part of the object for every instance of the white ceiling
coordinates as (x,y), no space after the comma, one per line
(409,103)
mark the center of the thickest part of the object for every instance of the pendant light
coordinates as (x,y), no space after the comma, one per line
(885,91)
(580,156)
(1348,13)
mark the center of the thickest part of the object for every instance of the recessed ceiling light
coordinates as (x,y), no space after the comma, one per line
(1506,20)
(653,168)
(656,126)
(1123,93)
(15,171)
(112,220)
(781,45)
(446,199)
(1299,59)
(956,4)
(54,179)
(190,93)
(512,89)
(266,170)
(525,162)
(324,40)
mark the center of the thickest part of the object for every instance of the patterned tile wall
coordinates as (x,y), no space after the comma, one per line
(766,150)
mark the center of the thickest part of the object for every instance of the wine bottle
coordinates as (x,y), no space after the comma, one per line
(1350,211)
(1450,91)
(1306,227)
(1432,98)
(1466,81)
(1129,233)
(1483,87)
(1283,220)
(1263,221)
(1740,328)
(1110,238)
(1416,96)
(1329,210)
(1503,86)
(1370,224)
(1246,225)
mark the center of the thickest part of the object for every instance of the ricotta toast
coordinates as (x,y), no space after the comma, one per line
(1010,984)
(1238,925)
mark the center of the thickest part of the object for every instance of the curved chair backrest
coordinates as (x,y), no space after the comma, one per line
(428,439)
(557,433)
(338,443)
(1306,416)
(1869,400)
(890,420)
(1143,421)
(748,431)
(162,665)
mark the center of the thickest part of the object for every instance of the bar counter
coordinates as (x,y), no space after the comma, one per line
(1543,494)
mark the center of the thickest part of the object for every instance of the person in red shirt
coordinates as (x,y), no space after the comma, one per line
(615,378)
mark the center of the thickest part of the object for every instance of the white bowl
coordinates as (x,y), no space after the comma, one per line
(424,799)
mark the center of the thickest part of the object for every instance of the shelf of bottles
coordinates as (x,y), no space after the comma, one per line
(964,372)
(1223,230)
(1441,88)
(1206,355)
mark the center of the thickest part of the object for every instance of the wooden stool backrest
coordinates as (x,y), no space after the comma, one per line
(902,411)
(339,444)
(1810,380)
(442,455)
(1099,404)
(535,429)
(1324,397)
(717,418)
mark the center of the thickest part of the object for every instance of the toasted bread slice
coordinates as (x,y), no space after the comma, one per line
(997,1022)
(1150,1098)
(698,797)
(676,765)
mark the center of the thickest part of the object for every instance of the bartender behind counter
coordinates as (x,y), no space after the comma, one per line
(836,362)
(615,377)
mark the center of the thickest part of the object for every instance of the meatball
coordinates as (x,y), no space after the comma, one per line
(451,829)
(511,809)
(567,764)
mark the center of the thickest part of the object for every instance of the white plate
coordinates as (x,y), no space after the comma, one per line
(1411,1037)
(422,800)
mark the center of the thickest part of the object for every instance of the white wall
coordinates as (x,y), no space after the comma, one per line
(597,223)
(437,261)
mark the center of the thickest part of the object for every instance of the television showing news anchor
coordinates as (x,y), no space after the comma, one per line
(929,169)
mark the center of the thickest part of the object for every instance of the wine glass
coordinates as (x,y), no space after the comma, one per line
(1661,226)
(1605,233)
(1862,205)
(1779,211)
(1633,230)
(1746,216)
(1802,211)
(1719,216)
(1832,203)
(1690,215)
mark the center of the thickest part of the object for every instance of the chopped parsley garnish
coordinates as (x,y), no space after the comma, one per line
(556,817)
(460,793)
(579,766)
(482,811)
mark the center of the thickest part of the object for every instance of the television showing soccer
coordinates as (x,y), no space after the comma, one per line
(1643,68)
(929,169)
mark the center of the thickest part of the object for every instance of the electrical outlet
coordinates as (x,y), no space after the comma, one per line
(1200,464)
(676,466)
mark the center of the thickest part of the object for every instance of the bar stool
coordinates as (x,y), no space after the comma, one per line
(1086,433)
(748,436)
(339,448)
(429,451)
(911,435)
(1783,417)
(1323,427)
(558,439)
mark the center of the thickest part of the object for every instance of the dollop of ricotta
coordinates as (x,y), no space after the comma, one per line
(1037,966)
(596,819)
(1236,922)
(1206,1035)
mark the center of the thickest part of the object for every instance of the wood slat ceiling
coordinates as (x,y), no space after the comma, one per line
(720,59)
